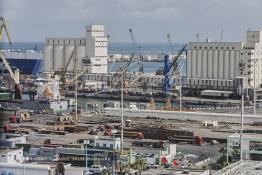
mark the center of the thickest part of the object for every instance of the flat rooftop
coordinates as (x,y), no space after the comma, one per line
(8,149)
(247,136)
(243,167)
(174,172)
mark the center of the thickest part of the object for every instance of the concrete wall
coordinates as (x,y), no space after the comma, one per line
(197,116)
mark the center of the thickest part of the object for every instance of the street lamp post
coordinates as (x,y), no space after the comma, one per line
(122,113)
(254,90)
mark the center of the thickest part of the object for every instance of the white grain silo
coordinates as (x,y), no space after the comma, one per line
(194,63)
(226,64)
(80,53)
(188,65)
(59,57)
(204,64)
(215,65)
(232,65)
(220,64)
(209,64)
(199,63)
(48,58)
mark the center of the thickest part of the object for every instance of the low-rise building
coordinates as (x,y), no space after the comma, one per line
(251,147)
(11,155)
(39,169)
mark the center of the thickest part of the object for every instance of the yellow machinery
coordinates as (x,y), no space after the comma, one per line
(14,75)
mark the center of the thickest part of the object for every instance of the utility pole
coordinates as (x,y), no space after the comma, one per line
(242,68)
(75,86)
(86,158)
(242,120)
(180,91)
(122,113)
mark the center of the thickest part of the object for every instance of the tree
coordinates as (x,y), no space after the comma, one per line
(124,168)
(60,169)
(139,165)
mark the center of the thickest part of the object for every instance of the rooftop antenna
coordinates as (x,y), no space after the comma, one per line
(197,37)
(221,35)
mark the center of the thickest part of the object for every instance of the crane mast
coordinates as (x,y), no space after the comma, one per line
(136,49)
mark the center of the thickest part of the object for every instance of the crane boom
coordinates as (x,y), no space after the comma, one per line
(178,55)
(136,49)
(76,77)
(3,27)
(6,64)
(133,39)
(71,56)
(170,44)
(170,69)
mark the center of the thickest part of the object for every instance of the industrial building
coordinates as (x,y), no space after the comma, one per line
(89,53)
(216,65)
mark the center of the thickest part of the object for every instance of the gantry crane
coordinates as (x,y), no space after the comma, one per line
(14,75)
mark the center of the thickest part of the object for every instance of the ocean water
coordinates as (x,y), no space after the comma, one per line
(115,48)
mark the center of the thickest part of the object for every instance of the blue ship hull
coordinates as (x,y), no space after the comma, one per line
(26,66)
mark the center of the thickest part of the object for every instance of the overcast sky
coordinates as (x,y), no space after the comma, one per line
(151,20)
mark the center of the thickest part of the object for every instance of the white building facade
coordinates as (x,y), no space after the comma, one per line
(216,65)
(11,155)
(251,147)
(90,53)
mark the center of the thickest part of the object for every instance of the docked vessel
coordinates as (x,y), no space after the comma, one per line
(46,98)
(28,61)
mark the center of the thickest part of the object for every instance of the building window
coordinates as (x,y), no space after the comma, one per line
(241,53)
(104,145)
(200,47)
(111,145)
(255,146)
(205,47)
(233,47)
(216,47)
(249,53)
(97,144)
(227,47)
(211,47)
(2,155)
(222,47)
